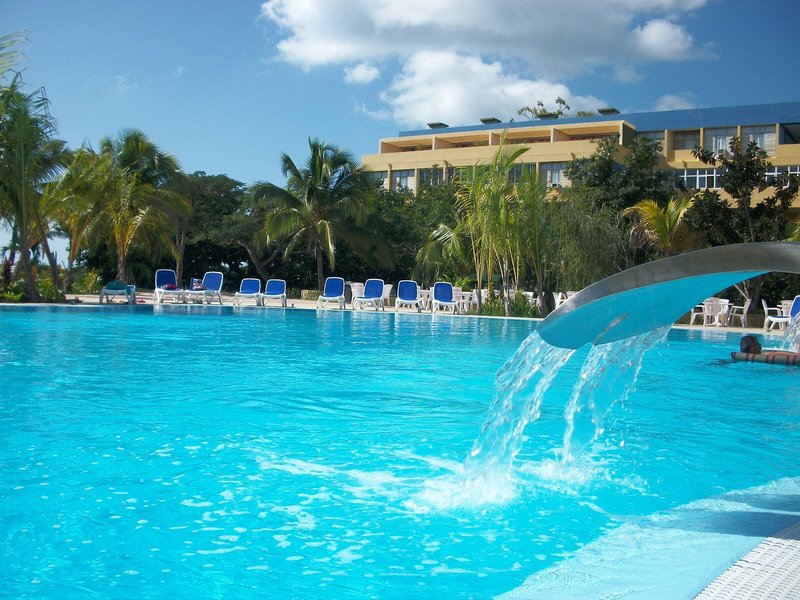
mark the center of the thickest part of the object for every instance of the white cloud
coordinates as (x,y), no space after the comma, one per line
(662,40)
(627,74)
(445,86)
(124,86)
(463,59)
(674,102)
(554,38)
(361,73)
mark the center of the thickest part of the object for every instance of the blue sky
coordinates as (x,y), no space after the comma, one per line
(227,86)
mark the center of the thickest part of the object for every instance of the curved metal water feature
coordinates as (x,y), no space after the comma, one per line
(658,293)
(622,316)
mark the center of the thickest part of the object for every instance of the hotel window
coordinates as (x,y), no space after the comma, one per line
(380,177)
(685,140)
(403,178)
(763,135)
(553,174)
(431,176)
(772,174)
(718,139)
(698,179)
(653,135)
(519,170)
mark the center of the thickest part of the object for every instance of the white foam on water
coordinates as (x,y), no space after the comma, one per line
(454,492)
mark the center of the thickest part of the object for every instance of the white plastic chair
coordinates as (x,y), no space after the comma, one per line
(739,312)
(356,290)
(714,311)
(387,294)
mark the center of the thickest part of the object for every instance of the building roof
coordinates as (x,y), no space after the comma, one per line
(728,116)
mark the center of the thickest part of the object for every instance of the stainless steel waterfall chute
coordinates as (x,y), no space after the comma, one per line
(658,293)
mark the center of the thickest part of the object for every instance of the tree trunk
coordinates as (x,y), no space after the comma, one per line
(121,275)
(53,262)
(180,246)
(30,285)
(320,274)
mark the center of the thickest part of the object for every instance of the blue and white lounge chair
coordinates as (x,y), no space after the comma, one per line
(408,295)
(442,297)
(333,292)
(250,287)
(118,288)
(207,290)
(166,285)
(782,320)
(275,290)
(372,296)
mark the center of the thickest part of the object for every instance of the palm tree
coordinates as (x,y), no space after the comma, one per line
(664,227)
(76,199)
(327,199)
(488,221)
(136,207)
(29,157)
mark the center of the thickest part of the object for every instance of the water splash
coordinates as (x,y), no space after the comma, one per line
(606,378)
(791,337)
(520,387)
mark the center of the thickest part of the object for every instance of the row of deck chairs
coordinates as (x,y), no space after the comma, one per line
(408,294)
(206,290)
(210,289)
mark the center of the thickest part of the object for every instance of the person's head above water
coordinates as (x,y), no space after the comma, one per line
(749,344)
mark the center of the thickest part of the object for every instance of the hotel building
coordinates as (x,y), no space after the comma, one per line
(431,155)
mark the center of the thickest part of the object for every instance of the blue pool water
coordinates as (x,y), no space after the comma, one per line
(205,452)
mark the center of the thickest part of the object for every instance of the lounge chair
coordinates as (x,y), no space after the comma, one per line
(442,297)
(372,296)
(207,290)
(118,288)
(333,292)
(250,287)
(781,320)
(408,295)
(167,286)
(274,290)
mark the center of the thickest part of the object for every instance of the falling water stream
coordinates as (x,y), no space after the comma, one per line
(791,339)
(607,376)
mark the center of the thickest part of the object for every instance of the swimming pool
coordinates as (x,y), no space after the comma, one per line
(151,451)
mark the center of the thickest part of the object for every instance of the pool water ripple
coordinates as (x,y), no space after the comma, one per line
(316,454)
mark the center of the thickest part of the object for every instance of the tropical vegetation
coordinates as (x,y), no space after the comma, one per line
(127,208)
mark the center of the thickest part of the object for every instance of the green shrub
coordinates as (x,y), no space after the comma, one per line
(88,282)
(48,291)
(14,293)
(518,307)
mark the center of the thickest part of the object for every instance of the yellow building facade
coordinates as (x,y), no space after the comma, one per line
(415,157)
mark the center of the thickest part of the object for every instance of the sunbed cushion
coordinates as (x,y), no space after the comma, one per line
(115,285)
